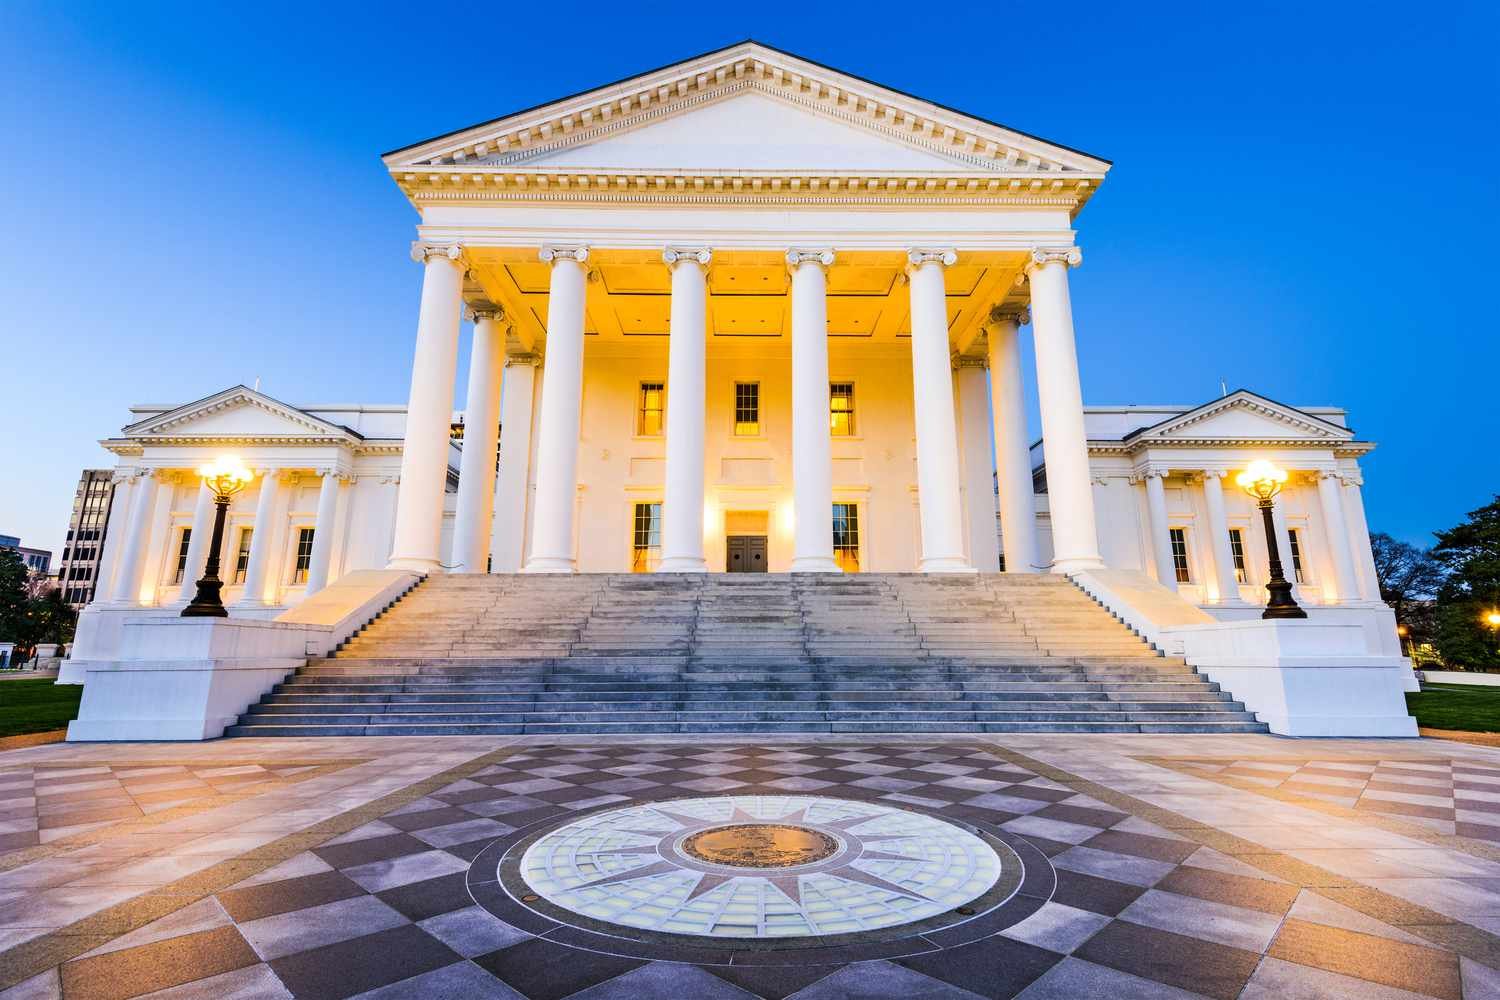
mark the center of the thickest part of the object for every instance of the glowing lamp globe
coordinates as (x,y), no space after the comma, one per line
(1261,479)
(1492,619)
(226,476)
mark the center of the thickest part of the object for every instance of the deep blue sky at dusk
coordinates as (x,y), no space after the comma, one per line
(1304,199)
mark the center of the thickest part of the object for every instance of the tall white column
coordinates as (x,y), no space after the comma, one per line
(114,536)
(262,541)
(1012,450)
(476,472)
(812,453)
(137,536)
(325,531)
(1359,537)
(682,509)
(562,399)
(1284,546)
(197,553)
(1161,538)
(508,539)
(932,398)
(1218,531)
(1337,532)
(1075,542)
(429,412)
(978,463)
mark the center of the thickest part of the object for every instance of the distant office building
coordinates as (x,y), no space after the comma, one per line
(39,561)
(78,571)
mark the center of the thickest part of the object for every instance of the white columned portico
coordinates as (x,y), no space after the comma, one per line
(1075,542)
(429,413)
(198,541)
(562,399)
(682,507)
(1161,538)
(932,400)
(978,463)
(1337,532)
(262,541)
(137,537)
(1218,532)
(517,393)
(325,531)
(812,453)
(476,476)
(1012,452)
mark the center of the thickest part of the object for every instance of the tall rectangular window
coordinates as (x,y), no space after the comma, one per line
(841,409)
(182,554)
(1237,551)
(1180,555)
(846,536)
(651,409)
(242,555)
(304,555)
(1294,537)
(747,409)
(646,538)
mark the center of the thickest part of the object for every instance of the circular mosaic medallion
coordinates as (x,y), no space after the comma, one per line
(759,866)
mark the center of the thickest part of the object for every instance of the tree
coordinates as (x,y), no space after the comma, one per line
(32,609)
(14,599)
(1470,555)
(1410,579)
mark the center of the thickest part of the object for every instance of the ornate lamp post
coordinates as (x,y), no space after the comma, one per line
(226,476)
(1263,481)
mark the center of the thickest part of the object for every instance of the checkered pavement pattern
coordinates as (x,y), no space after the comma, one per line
(383,911)
(43,803)
(1447,796)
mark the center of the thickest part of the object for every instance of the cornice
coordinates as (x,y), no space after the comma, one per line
(1340,449)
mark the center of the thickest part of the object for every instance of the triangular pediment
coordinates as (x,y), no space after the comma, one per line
(1243,416)
(748,107)
(236,412)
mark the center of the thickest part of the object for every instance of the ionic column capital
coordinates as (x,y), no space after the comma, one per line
(1353,479)
(1042,256)
(796,258)
(552,254)
(479,312)
(969,361)
(918,256)
(422,252)
(1020,316)
(675,255)
(1151,472)
(528,359)
(1208,474)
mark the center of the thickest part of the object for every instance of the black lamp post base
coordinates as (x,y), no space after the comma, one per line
(1281,604)
(206,602)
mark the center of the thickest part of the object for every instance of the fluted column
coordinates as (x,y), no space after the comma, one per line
(562,399)
(1075,542)
(517,393)
(429,412)
(476,474)
(325,531)
(114,536)
(1012,450)
(1336,530)
(932,398)
(1161,538)
(682,508)
(812,453)
(198,543)
(1359,537)
(137,537)
(1218,532)
(262,541)
(978,463)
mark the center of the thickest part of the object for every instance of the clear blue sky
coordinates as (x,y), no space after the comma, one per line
(1304,199)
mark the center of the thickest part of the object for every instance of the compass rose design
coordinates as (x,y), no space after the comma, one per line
(759,866)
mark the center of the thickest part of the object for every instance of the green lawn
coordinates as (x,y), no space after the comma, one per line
(36,706)
(1457,706)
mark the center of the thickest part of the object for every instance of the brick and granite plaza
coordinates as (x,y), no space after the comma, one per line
(1123,866)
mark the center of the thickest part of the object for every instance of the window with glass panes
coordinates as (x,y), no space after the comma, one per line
(1293,537)
(846,536)
(242,555)
(182,554)
(304,555)
(1237,551)
(652,409)
(841,409)
(646,538)
(1180,555)
(747,409)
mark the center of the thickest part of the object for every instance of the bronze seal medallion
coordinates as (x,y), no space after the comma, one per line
(760,845)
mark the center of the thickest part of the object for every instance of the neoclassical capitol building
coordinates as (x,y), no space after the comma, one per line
(750,314)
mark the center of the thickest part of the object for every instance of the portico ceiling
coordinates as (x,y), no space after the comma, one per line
(629,295)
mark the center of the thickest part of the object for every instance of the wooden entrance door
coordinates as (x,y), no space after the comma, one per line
(745,553)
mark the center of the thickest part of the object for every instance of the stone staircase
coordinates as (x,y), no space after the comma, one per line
(752,653)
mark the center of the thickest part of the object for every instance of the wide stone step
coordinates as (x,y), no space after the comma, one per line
(645,728)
